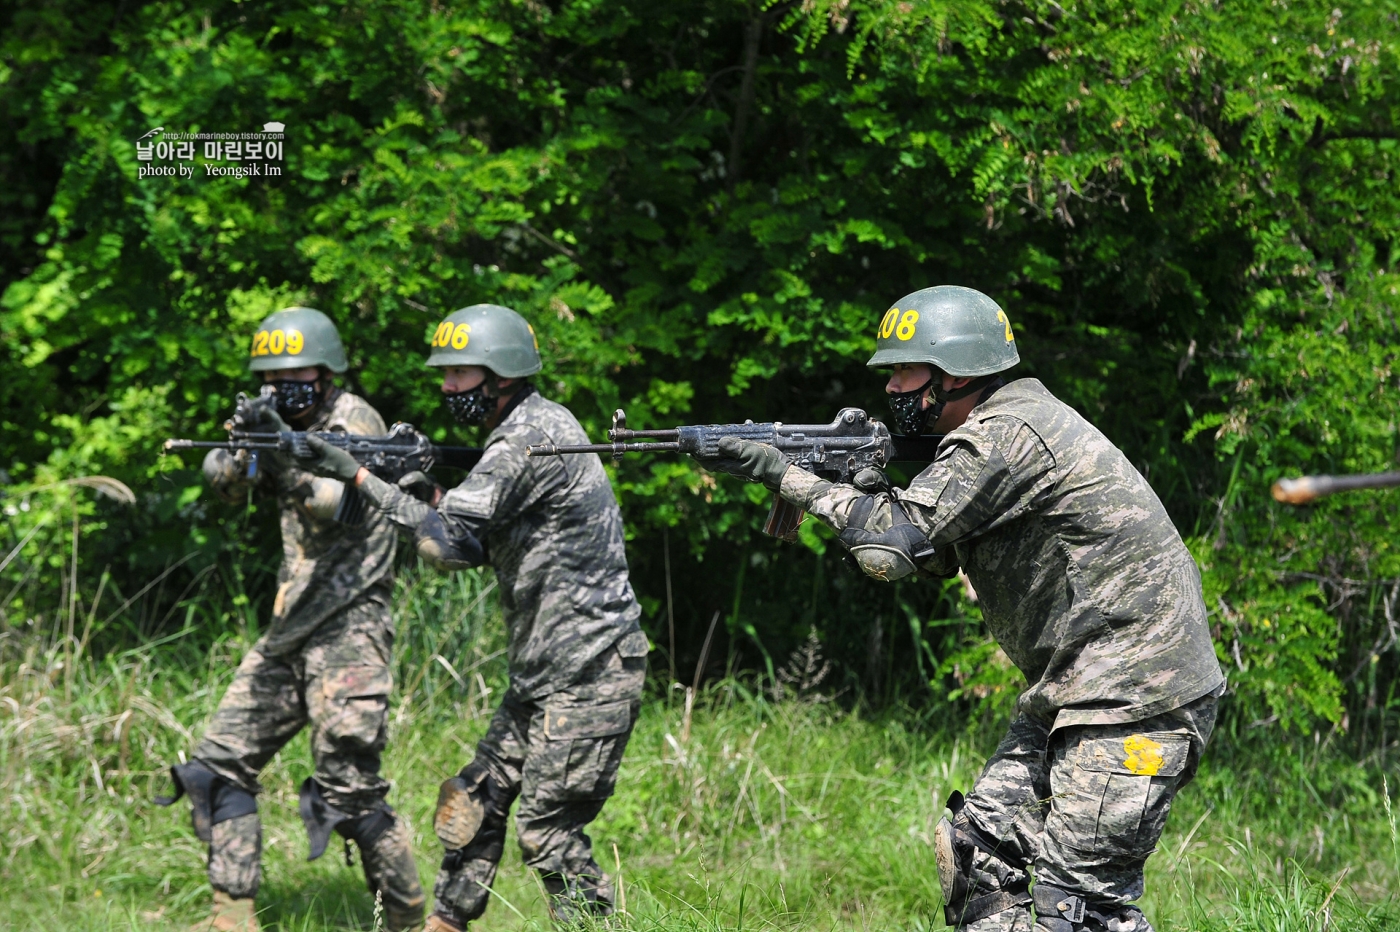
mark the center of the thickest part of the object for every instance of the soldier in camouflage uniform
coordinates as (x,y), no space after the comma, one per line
(325,659)
(1084,582)
(552,530)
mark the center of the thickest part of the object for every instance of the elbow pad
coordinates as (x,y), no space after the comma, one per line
(889,554)
(443,550)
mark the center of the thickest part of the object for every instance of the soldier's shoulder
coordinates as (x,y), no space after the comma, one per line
(539,420)
(354,415)
(1026,401)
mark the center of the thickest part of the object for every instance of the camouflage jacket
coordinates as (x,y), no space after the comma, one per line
(552,531)
(325,565)
(1081,576)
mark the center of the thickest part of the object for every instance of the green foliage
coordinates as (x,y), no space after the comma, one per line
(1188,210)
(751,812)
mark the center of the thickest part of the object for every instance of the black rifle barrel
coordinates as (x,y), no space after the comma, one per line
(621,433)
(1302,490)
(550,449)
(218,445)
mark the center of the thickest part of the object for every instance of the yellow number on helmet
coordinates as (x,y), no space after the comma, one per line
(461,335)
(535,336)
(442,334)
(905,330)
(887,323)
(295,342)
(260,343)
(1001,316)
(277,342)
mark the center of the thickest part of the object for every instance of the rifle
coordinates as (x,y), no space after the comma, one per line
(835,451)
(1304,489)
(401,451)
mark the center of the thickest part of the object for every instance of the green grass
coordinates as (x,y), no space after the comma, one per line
(773,814)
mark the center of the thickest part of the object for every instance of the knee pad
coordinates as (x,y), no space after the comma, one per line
(975,881)
(212,798)
(321,818)
(464,804)
(886,555)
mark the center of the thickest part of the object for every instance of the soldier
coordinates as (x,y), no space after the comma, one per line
(325,659)
(1084,582)
(552,530)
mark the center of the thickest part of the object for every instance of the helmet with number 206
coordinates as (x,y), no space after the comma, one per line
(960,331)
(295,337)
(487,335)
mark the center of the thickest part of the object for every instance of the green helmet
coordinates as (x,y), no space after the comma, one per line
(296,337)
(960,331)
(487,335)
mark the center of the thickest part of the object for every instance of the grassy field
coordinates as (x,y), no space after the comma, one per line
(770,812)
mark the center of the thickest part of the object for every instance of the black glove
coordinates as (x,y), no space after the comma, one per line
(871,480)
(266,420)
(751,461)
(421,486)
(258,414)
(329,461)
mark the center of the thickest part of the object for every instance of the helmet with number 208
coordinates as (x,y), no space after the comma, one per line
(960,331)
(295,337)
(487,335)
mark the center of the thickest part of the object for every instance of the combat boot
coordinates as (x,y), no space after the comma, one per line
(436,923)
(229,915)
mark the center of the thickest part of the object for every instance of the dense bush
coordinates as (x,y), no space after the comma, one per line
(1188,209)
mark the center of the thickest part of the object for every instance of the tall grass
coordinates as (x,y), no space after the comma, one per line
(773,809)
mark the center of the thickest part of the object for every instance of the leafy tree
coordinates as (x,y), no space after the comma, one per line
(1188,210)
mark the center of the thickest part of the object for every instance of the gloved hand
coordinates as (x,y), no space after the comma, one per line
(266,420)
(421,486)
(329,461)
(871,480)
(258,414)
(226,474)
(751,461)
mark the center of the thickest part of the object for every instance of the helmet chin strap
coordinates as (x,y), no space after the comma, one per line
(942,397)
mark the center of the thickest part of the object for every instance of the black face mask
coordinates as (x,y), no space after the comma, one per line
(471,407)
(296,398)
(909,412)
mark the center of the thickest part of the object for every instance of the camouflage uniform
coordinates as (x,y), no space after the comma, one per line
(1087,586)
(324,662)
(553,532)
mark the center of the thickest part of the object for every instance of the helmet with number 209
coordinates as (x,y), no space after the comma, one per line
(487,335)
(295,337)
(960,331)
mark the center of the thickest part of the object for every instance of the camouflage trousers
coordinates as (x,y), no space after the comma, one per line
(1081,808)
(338,684)
(559,754)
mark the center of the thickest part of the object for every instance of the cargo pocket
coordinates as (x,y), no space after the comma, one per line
(1111,796)
(356,704)
(596,736)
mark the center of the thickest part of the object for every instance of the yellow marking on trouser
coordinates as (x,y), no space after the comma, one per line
(1144,755)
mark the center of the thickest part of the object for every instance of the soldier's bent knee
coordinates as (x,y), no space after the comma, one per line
(465,803)
(321,818)
(212,798)
(976,882)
